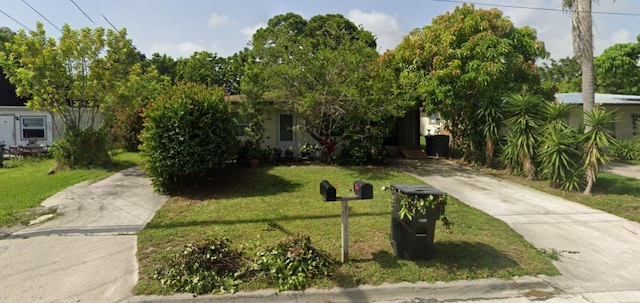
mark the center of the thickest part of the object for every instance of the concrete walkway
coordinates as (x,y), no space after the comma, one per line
(88,254)
(599,251)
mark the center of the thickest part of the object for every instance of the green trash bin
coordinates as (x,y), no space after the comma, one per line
(414,239)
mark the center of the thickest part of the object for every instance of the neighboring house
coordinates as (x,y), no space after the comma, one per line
(430,124)
(626,107)
(20,125)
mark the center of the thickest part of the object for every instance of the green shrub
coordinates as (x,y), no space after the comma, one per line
(293,263)
(626,150)
(358,152)
(207,266)
(82,149)
(188,131)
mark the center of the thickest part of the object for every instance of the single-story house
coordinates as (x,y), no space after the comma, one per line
(626,107)
(283,129)
(20,125)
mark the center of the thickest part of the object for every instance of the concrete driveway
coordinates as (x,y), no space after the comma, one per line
(598,251)
(627,170)
(88,254)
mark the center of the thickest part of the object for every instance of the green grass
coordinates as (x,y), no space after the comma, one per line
(24,184)
(257,207)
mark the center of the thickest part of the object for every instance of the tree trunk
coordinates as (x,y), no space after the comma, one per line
(591,178)
(582,30)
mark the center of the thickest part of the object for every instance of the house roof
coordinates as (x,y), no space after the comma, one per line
(8,93)
(602,99)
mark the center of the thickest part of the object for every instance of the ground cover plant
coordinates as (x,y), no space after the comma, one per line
(25,182)
(258,208)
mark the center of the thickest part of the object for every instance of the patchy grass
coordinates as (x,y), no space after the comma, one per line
(24,184)
(257,207)
(611,193)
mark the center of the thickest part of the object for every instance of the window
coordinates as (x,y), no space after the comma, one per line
(635,119)
(286,127)
(434,119)
(242,125)
(33,127)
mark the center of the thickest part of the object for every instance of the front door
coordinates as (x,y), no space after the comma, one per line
(7,130)
(285,131)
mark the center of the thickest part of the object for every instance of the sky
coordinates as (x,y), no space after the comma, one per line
(179,28)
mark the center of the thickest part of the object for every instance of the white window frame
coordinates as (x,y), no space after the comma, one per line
(24,127)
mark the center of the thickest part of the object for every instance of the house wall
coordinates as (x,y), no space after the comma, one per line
(623,127)
(430,124)
(11,126)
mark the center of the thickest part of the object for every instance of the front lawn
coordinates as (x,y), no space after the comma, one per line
(255,208)
(24,184)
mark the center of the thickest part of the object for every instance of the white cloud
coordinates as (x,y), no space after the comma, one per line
(248,31)
(384,27)
(621,36)
(217,20)
(176,50)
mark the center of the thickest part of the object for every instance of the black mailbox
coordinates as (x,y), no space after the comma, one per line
(363,190)
(327,191)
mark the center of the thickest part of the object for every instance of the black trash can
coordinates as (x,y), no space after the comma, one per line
(413,239)
(441,145)
(428,140)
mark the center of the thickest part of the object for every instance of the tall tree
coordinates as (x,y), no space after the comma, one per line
(165,65)
(203,68)
(561,76)
(462,65)
(617,69)
(70,78)
(582,32)
(321,69)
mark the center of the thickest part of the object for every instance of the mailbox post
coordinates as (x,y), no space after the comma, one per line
(362,190)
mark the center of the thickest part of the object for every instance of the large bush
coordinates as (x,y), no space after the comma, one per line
(82,149)
(188,131)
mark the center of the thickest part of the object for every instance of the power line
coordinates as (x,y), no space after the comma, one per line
(537,8)
(14,20)
(74,3)
(105,18)
(41,15)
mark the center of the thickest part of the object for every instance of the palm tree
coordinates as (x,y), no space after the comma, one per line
(598,140)
(582,32)
(522,127)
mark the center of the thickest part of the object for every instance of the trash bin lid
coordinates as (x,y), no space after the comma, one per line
(420,191)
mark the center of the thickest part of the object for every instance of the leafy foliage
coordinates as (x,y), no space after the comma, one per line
(411,206)
(206,266)
(560,150)
(85,148)
(123,113)
(598,140)
(626,149)
(188,131)
(561,76)
(322,69)
(465,61)
(71,78)
(617,70)
(293,263)
(520,151)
